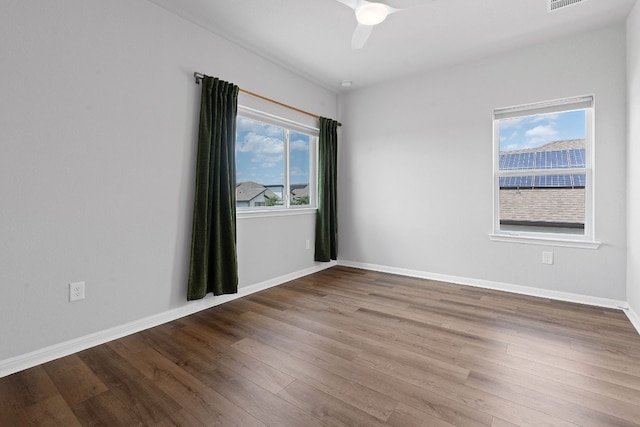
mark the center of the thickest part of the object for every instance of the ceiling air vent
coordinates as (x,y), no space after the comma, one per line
(559,4)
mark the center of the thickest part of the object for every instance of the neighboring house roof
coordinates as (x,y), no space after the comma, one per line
(567,144)
(249,190)
(300,191)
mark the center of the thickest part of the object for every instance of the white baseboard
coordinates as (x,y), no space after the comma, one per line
(486,284)
(633,318)
(47,354)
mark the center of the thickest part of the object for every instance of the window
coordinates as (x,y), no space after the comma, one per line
(275,163)
(543,171)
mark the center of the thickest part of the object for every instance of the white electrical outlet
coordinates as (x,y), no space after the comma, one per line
(547,257)
(76,291)
(307,244)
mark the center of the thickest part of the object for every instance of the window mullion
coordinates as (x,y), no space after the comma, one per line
(287,169)
(541,172)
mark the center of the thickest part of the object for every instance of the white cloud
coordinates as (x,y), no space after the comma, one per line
(296,172)
(513,122)
(259,144)
(299,145)
(550,117)
(541,132)
(252,126)
(266,159)
(541,135)
(510,147)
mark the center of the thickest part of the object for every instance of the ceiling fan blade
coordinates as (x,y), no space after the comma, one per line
(391,10)
(351,3)
(406,4)
(360,36)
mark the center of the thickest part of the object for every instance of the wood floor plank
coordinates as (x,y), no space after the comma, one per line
(577,367)
(300,335)
(262,404)
(20,391)
(328,409)
(350,347)
(139,397)
(105,407)
(254,370)
(52,411)
(586,387)
(205,403)
(497,422)
(578,413)
(407,416)
(573,392)
(182,418)
(395,387)
(363,398)
(73,379)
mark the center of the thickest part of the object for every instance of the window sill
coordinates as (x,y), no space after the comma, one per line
(545,240)
(275,212)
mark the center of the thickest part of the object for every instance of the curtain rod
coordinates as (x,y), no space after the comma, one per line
(199,77)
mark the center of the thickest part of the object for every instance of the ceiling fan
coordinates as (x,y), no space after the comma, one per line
(368,14)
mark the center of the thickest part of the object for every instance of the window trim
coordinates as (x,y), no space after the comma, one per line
(290,126)
(586,240)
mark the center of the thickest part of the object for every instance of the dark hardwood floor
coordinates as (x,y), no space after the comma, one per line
(347,347)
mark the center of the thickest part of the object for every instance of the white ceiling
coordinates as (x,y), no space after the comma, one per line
(313,37)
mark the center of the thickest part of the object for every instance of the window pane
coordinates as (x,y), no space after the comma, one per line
(537,201)
(259,164)
(299,167)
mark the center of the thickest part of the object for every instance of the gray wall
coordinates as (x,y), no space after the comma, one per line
(633,159)
(98,118)
(416,167)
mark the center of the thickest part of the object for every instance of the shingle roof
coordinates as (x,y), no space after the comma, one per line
(543,205)
(249,190)
(567,144)
(300,192)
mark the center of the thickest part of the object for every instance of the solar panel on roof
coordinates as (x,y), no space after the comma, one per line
(552,159)
(516,181)
(543,181)
(577,157)
(556,159)
(551,181)
(579,180)
(517,161)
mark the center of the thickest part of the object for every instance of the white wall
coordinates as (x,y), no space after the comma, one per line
(98,118)
(633,160)
(416,168)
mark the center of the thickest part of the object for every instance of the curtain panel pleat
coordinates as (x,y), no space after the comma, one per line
(214,265)
(326,244)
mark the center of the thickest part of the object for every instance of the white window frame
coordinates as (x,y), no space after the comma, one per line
(586,240)
(289,126)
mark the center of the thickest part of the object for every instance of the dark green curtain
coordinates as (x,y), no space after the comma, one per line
(214,264)
(327,217)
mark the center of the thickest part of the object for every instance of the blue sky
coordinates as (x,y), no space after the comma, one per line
(534,131)
(260,153)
